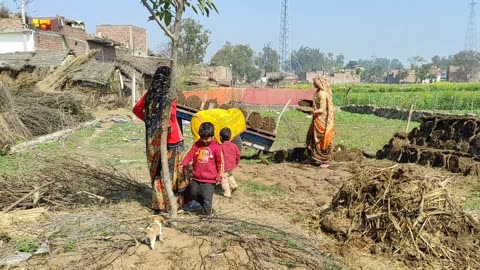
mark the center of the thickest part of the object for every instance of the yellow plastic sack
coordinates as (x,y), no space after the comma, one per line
(220,118)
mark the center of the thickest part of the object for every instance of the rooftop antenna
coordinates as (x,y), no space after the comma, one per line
(284,53)
(471,37)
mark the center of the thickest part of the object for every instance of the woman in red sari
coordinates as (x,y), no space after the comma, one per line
(150,109)
(320,134)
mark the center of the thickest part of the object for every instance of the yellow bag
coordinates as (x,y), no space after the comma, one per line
(220,118)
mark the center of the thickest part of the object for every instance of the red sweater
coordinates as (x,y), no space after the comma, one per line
(231,155)
(174,136)
(207,162)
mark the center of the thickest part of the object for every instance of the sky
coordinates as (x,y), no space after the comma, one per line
(357,29)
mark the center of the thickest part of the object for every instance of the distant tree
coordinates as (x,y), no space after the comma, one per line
(436,60)
(396,64)
(340,61)
(241,59)
(268,59)
(416,61)
(373,74)
(4,11)
(423,72)
(403,74)
(469,60)
(308,59)
(193,42)
(163,12)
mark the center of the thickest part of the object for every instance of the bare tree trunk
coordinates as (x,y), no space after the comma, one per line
(166,177)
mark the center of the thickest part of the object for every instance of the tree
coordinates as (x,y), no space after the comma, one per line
(403,74)
(163,12)
(240,57)
(194,41)
(4,11)
(416,61)
(396,64)
(268,59)
(469,60)
(422,72)
(308,59)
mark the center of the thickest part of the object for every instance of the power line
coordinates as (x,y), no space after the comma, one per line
(471,37)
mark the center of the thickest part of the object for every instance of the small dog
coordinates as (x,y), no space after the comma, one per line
(153,231)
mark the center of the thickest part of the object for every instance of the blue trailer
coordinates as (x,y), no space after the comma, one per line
(254,138)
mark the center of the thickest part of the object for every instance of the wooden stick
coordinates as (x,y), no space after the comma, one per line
(26,196)
(280,116)
(410,115)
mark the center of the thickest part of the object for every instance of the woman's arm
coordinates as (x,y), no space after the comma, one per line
(323,103)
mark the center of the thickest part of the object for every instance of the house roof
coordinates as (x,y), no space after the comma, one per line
(17,61)
(145,65)
(102,40)
(95,71)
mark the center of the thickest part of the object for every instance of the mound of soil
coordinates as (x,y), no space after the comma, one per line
(451,142)
(407,214)
(269,124)
(255,120)
(193,102)
(180,98)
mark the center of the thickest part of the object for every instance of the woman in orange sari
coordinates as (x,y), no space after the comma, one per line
(320,134)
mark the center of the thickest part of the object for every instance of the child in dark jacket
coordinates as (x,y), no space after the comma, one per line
(207,160)
(231,157)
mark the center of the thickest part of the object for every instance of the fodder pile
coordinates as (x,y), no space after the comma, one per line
(451,142)
(255,120)
(406,214)
(11,127)
(45,113)
(66,182)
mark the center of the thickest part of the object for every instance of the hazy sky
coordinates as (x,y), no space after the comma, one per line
(358,29)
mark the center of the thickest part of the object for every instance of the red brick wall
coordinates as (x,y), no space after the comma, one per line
(48,41)
(10,24)
(121,33)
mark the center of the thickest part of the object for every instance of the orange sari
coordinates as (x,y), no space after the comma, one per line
(320,134)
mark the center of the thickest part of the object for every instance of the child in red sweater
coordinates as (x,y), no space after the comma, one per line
(206,156)
(231,157)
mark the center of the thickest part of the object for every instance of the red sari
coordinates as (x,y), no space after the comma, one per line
(150,108)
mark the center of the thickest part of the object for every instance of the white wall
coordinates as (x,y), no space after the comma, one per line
(16,42)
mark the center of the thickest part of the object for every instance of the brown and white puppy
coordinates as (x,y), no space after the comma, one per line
(153,231)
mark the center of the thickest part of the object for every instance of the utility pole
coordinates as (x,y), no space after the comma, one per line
(22,7)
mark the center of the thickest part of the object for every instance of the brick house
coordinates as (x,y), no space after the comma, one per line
(55,33)
(132,37)
(334,77)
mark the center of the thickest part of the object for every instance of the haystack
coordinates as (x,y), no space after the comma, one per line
(58,79)
(12,129)
(409,215)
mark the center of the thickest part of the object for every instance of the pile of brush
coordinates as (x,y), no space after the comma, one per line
(398,210)
(11,127)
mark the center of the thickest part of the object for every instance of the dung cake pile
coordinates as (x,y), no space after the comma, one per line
(451,142)
(407,213)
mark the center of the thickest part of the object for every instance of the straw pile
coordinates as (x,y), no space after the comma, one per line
(12,128)
(409,215)
(59,78)
(45,113)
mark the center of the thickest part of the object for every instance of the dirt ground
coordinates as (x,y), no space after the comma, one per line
(285,197)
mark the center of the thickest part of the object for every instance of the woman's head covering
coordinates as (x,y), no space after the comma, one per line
(321,82)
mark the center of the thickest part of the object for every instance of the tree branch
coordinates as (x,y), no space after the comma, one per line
(157,19)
